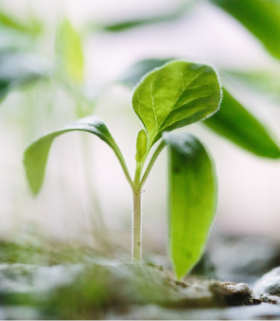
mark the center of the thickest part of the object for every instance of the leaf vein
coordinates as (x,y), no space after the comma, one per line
(189,101)
(186,87)
(153,104)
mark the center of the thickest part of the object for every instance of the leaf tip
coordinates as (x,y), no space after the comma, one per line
(29,174)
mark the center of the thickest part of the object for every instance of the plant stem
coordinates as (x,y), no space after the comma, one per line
(137,227)
(137,176)
(137,209)
(151,163)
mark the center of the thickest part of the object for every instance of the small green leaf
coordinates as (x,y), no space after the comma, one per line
(175,95)
(70,51)
(234,122)
(36,154)
(141,145)
(192,199)
(261,17)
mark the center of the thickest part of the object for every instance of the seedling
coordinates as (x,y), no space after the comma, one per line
(177,94)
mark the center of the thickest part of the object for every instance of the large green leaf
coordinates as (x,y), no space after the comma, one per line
(192,199)
(70,51)
(261,17)
(36,154)
(234,122)
(175,95)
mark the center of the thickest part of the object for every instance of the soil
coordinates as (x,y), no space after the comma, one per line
(83,288)
(118,291)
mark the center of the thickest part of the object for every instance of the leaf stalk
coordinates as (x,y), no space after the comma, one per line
(137,227)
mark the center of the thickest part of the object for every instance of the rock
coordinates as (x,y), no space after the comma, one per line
(273,299)
(234,293)
(267,288)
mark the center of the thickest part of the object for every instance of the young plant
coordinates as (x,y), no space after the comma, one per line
(175,95)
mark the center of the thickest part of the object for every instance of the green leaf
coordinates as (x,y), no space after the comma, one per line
(175,95)
(133,75)
(230,120)
(36,154)
(4,89)
(70,51)
(260,17)
(234,122)
(192,199)
(32,27)
(129,24)
(263,81)
(141,146)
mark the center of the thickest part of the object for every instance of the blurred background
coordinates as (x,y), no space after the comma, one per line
(63,60)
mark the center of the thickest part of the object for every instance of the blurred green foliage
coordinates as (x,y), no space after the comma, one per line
(18,68)
(32,26)
(70,53)
(260,17)
(236,123)
(48,254)
(120,26)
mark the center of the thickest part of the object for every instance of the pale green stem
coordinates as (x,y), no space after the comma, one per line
(137,207)
(137,216)
(137,227)
(137,175)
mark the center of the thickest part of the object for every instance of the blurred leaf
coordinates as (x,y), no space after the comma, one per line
(18,68)
(33,27)
(234,122)
(70,51)
(137,71)
(260,17)
(11,40)
(36,154)
(266,81)
(175,95)
(4,89)
(192,199)
(129,24)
